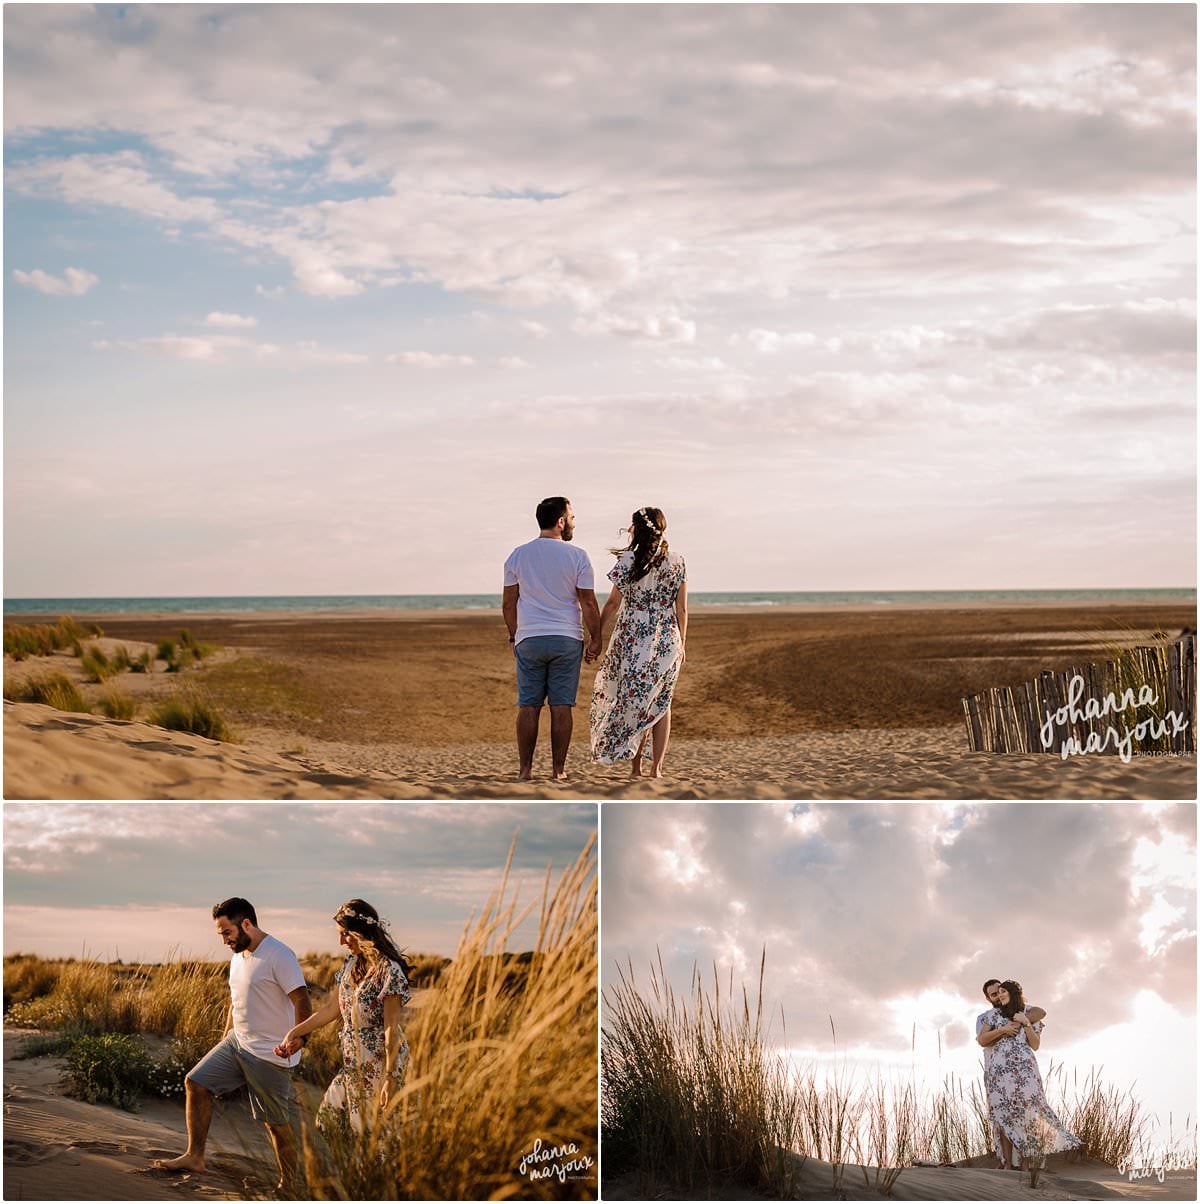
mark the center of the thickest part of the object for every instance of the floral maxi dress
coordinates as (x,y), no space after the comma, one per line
(634,684)
(1017,1098)
(351,1095)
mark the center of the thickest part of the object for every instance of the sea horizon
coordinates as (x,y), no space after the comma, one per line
(251,603)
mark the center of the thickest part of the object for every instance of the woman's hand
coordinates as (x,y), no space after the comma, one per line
(385,1092)
(1021,1019)
(289,1044)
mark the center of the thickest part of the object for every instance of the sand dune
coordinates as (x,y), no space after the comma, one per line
(1061,1180)
(56,1148)
(796,704)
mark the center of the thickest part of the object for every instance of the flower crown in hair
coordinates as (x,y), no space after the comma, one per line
(354,915)
(649,521)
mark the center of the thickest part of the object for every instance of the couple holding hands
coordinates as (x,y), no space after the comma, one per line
(555,623)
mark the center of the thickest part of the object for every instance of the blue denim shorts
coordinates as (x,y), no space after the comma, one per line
(548,670)
(227,1066)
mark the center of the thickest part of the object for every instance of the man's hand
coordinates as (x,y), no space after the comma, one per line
(593,649)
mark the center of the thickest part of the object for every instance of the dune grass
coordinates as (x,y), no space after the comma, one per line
(116,704)
(491,1069)
(691,1092)
(22,641)
(50,689)
(191,713)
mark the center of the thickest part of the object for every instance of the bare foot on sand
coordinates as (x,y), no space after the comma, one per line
(635,770)
(177,1166)
(525,775)
(560,775)
(656,773)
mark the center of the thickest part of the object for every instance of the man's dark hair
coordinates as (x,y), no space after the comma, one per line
(990,982)
(548,512)
(237,910)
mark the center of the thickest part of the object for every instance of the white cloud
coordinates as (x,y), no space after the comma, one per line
(272,293)
(666,327)
(222,347)
(770,341)
(427,359)
(216,318)
(512,361)
(74,282)
(535,329)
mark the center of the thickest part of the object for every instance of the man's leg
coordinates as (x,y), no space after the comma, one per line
(284,1141)
(562,724)
(527,734)
(198,1114)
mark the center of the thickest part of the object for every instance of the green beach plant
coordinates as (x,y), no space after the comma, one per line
(192,713)
(109,1068)
(691,1093)
(117,705)
(50,689)
(96,664)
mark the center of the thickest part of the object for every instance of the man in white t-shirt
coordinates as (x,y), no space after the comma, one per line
(549,601)
(268,995)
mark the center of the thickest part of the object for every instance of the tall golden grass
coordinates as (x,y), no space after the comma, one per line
(695,1099)
(494,1067)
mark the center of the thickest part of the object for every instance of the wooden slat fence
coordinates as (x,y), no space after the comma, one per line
(1011,718)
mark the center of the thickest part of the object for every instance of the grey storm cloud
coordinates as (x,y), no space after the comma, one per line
(858,904)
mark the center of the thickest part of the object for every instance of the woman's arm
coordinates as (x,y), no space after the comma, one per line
(393,1037)
(322,1016)
(681,615)
(611,606)
(1031,1036)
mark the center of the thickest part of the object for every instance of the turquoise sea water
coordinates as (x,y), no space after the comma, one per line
(336,602)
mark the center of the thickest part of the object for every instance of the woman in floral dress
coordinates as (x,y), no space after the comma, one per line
(372,989)
(1017,1099)
(631,698)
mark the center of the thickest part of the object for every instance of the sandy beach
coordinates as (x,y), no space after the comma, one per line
(795,703)
(58,1148)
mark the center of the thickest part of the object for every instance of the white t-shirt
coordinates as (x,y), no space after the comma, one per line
(259,984)
(549,571)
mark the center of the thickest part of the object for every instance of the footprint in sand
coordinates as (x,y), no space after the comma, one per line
(22,1153)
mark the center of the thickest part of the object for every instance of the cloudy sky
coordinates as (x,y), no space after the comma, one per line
(139,880)
(322,299)
(885,915)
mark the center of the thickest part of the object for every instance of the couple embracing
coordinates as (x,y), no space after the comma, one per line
(555,623)
(1024,1127)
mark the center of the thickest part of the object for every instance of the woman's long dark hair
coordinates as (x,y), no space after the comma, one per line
(360,918)
(1016,999)
(647,543)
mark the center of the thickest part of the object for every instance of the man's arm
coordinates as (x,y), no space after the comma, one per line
(591,621)
(990,1036)
(228,1022)
(302,1003)
(508,608)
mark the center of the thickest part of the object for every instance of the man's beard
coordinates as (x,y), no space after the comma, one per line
(242,943)
(568,533)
